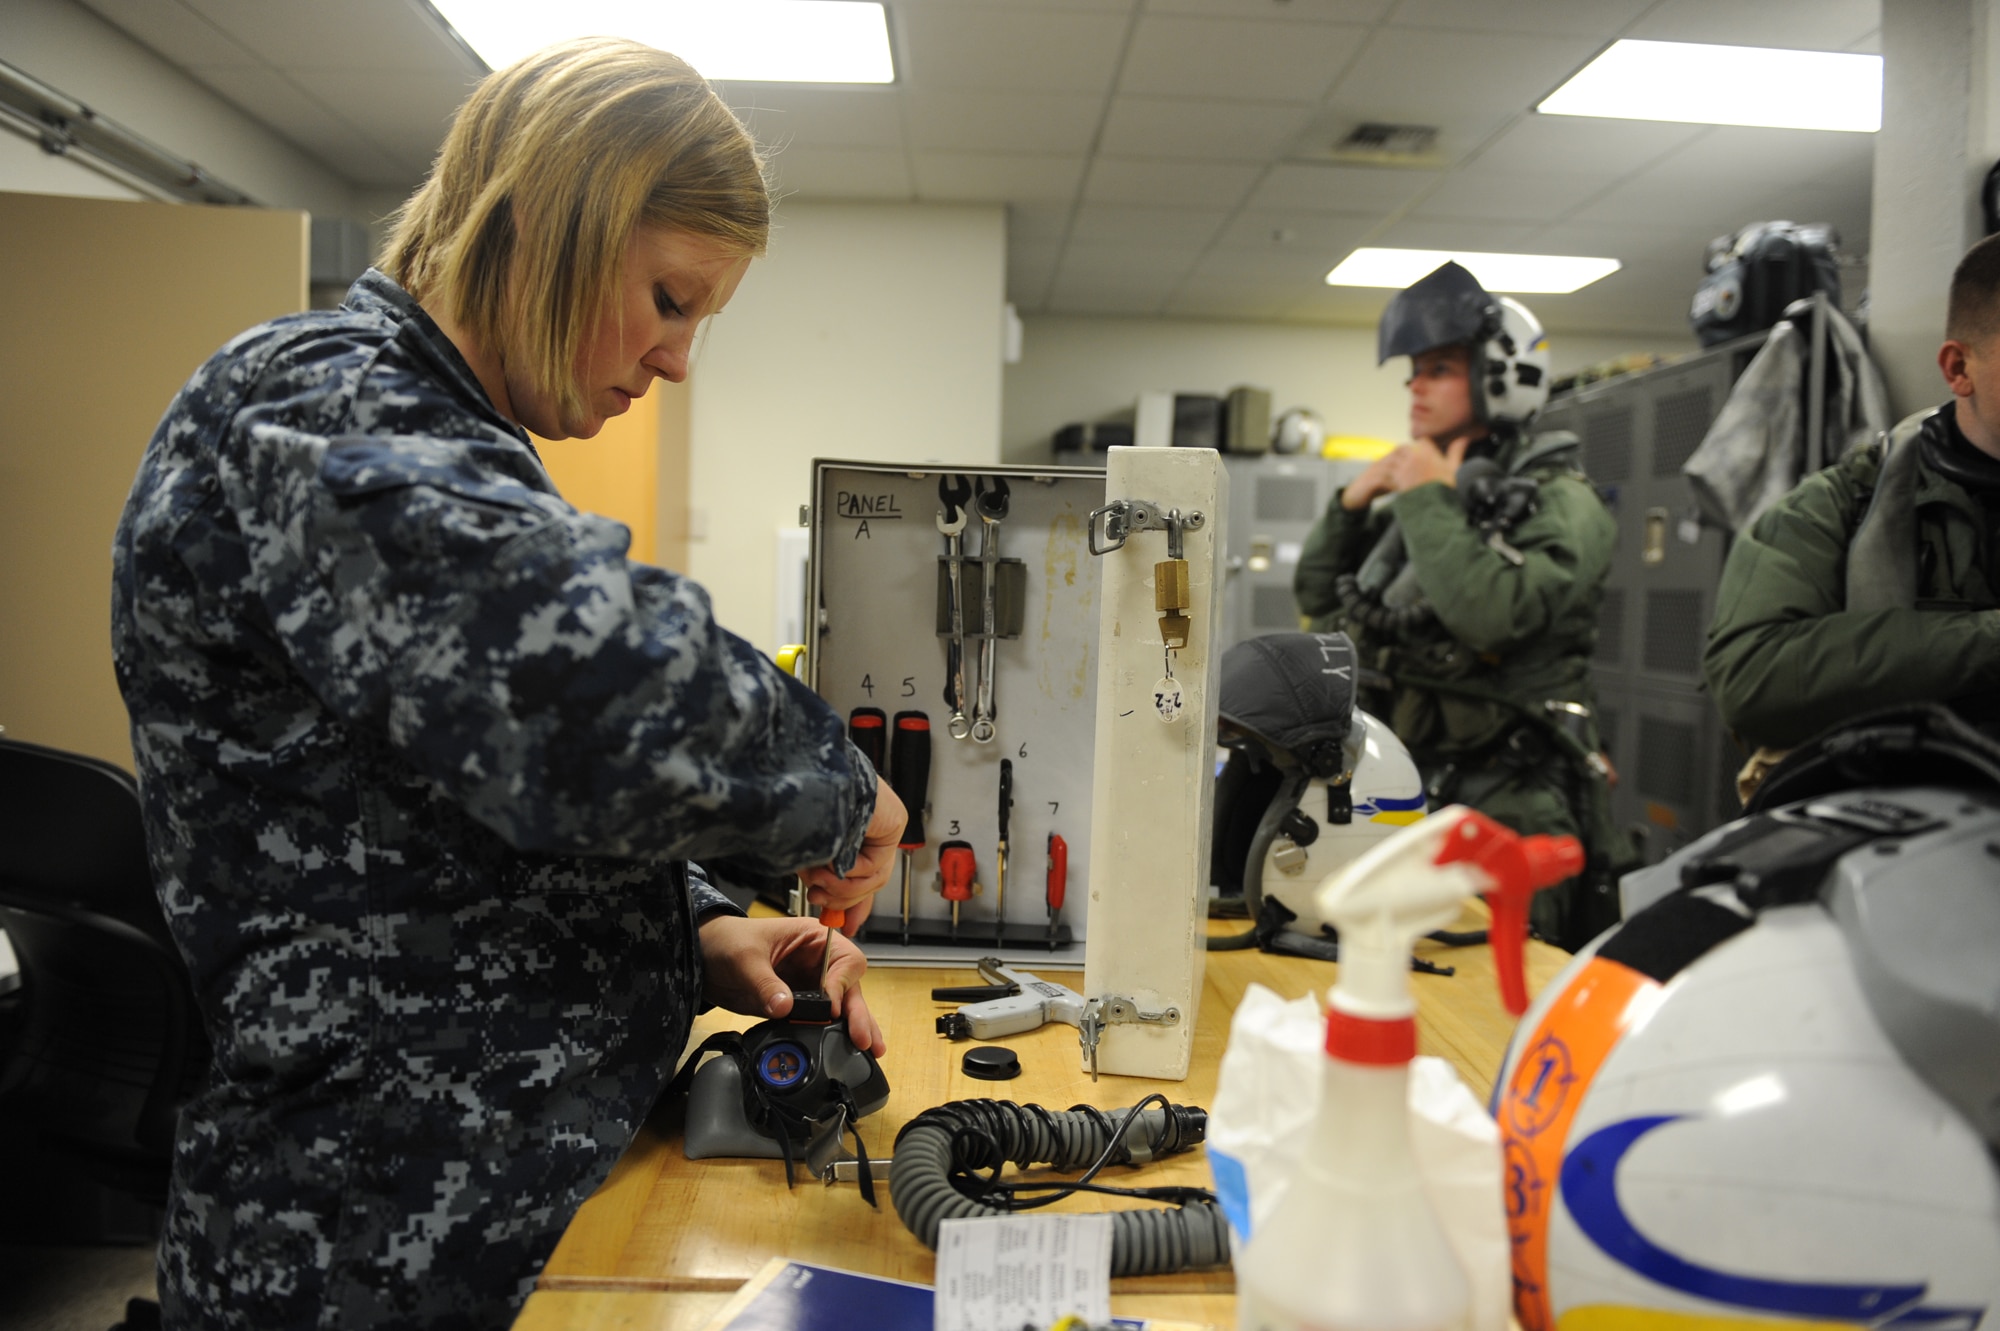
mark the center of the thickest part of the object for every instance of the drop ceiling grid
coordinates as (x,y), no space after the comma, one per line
(1139,144)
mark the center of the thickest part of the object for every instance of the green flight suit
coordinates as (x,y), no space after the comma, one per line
(1794,649)
(1467,688)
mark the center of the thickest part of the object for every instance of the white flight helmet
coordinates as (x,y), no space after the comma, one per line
(1510,353)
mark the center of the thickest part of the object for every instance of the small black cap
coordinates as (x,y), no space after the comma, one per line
(991,1062)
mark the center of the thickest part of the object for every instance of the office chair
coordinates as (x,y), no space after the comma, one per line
(110,1044)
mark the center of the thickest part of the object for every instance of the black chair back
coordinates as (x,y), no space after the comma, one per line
(110,1044)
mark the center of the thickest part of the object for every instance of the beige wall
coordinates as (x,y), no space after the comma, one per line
(1081,369)
(868,332)
(110,306)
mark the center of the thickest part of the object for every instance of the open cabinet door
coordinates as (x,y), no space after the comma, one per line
(109,307)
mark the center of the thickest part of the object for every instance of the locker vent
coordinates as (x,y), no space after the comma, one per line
(1607,444)
(1680,421)
(1607,730)
(1674,633)
(1666,761)
(1273,608)
(1286,499)
(1610,627)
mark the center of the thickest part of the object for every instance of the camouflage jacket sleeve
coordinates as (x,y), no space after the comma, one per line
(1484,599)
(1337,544)
(1786,659)
(574,701)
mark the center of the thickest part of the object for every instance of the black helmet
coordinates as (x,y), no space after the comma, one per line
(1293,693)
(1510,356)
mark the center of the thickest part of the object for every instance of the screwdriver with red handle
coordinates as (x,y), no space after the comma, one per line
(1058,881)
(958,876)
(910,778)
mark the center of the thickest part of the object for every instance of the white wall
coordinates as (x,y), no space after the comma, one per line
(78,54)
(1080,369)
(869,332)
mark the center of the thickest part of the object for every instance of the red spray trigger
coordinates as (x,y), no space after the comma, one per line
(1520,867)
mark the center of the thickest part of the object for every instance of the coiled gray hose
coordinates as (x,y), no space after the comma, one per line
(1143,1243)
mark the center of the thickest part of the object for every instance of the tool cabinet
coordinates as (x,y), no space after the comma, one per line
(877,587)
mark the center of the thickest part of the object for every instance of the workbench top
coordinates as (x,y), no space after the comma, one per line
(665,1241)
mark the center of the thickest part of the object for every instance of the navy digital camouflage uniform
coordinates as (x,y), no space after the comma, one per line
(423,758)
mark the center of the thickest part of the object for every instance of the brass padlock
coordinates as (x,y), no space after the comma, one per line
(1171,598)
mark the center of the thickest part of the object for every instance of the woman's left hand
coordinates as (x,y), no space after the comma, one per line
(752,966)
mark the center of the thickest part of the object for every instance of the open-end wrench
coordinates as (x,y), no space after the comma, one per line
(953,492)
(991,501)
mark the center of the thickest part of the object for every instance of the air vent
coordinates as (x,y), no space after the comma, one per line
(1377,142)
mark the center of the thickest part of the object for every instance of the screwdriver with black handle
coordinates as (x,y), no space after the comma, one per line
(910,778)
(867,727)
(1000,863)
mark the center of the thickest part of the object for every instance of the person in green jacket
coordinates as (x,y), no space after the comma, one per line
(1467,565)
(1874,582)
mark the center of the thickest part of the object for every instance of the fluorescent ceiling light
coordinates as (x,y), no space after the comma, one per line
(1543,273)
(769,41)
(1726,85)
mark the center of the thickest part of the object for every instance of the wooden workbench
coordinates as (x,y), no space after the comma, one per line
(665,1241)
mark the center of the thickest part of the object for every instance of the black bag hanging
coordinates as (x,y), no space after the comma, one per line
(1756,272)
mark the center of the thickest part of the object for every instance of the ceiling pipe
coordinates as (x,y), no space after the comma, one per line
(66,127)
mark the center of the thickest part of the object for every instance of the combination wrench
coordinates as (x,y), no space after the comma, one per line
(991,501)
(953,492)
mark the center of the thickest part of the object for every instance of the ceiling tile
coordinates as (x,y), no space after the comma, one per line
(1295,11)
(1295,270)
(781,115)
(1185,128)
(1290,230)
(1421,77)
(1339,189)
(996,177)
(1034,223)
(354,34)
(1628,242)
(176,33)
(1060,123)
(1554,18)
(1203,299)
(1109,224)
(1809,25)
(1022,50)
(1172,184)
(1258,62)
(1606,148)
(405,116)
(294,113)
(1509,196)
(1136,265)
(841,173)
(1731,156)
(1030,269)
(1427,233)
(1006,6)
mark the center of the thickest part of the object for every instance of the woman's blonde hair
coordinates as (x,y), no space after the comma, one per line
(519,231)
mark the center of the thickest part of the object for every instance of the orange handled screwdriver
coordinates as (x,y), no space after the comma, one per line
(957,876)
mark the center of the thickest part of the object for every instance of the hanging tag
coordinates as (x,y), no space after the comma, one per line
(1167,699)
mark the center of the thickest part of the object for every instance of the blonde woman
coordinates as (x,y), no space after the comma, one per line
(426,759)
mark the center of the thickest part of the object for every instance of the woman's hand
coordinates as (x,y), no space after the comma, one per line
(1405,467)
(752,966)
(855,892)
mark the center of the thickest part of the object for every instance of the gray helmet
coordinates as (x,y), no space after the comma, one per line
(1510,354)
(1293,693)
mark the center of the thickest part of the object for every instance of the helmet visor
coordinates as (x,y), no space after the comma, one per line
(1449,306)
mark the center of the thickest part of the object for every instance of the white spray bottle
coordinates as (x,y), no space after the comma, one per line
(1354,1244)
